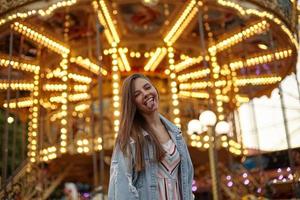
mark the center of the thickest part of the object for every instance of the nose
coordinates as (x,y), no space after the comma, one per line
(146,93)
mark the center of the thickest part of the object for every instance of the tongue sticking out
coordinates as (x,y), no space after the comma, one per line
(150,104)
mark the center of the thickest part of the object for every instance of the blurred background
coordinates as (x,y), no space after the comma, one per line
(226,71)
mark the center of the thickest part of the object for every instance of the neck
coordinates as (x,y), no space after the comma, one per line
(152,119)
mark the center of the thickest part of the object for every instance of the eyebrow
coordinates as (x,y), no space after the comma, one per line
(146,84)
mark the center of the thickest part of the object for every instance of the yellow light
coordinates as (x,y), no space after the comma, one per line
(172,75)
(261,14)
(204,95)
(49,10)
(199,144)
(220,109)
(176,111)
(80,78)
(55,87)
(194,85)
(259,80)
(5,61)
(10,120)
(79,142)
(155,59)
(19,103)
(63,150)
(225,144)
(79,149)
(16,85)
(193,143)
(109,21)
(40,38)
(221,117)
(124,59)
(181,23)
(237,37)
(99,147)
(85,142)
(88,64)
(193,137)
(79,96)
(63,143)
(177,120)
(206,138)
(261,59)
(187,63)
(81,107)
(262,46)
(174,90)
(224,138)
(242,99)
(86,149)
(193,75)
(80,88)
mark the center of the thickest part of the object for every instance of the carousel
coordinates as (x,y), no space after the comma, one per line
(62,63)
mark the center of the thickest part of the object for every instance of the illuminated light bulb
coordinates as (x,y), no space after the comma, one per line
(79,149)
(10,120)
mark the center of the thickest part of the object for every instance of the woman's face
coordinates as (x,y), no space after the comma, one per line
(145,96)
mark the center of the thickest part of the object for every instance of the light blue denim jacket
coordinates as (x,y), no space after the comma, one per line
(126,184)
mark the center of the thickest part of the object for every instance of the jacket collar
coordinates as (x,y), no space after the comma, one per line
(169,125)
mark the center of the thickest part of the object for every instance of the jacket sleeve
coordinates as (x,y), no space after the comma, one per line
(190,169)
(120,183)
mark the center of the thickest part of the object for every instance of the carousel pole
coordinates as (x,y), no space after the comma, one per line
(210,129)
(296,69)
(253,113)
(288,141)
(16,118)
(39,166)
(233,118)
(257,139)
(94,136)
(92,117)
(5,133)
(23,132)
(203,48)
(100,100)
(22,124)
(286,128)
(297,82)
(14,135)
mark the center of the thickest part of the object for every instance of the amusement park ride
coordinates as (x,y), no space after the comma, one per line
(62,64)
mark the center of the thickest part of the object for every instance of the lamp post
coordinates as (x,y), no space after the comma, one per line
(194,126)
(209,119)
(222,127)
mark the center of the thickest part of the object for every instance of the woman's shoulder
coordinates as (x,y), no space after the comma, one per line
(169,125)
(118,154)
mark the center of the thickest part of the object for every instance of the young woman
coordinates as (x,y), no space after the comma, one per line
(150,160)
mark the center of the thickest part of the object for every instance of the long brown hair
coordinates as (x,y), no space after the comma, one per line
(132,123)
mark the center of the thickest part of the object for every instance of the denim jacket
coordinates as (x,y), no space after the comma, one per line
(126,184)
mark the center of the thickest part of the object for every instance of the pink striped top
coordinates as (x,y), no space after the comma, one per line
(168,184)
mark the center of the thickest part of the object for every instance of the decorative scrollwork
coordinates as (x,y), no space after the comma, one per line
(283,8)
(7,5)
